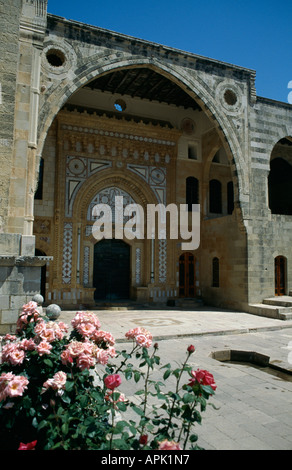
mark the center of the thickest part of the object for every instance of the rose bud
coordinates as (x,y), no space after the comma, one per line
(143,439)
(191,349)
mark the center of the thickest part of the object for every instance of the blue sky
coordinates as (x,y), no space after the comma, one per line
(254,34)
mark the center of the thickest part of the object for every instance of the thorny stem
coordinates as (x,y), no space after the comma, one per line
(113,423)
(176,391)
(189,427)
(125,360)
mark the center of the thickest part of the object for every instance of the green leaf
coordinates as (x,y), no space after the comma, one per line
(188,398)
(48,362)
(42,424)
(166,374)
(66,399)
(121,406)
(139,411)
(69,385)
(137,376)
(65,428)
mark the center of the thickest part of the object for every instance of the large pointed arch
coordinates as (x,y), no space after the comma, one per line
(192,85)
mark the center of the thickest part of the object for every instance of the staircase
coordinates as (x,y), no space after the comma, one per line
(188,304)
(274,307)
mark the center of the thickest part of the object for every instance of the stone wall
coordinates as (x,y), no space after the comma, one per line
(9,28)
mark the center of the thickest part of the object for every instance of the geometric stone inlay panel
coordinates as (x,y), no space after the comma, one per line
(138,266)
(154,176)
(67,253)
(162,260)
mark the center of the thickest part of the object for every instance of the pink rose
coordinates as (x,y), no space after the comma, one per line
(86,329)
(9,337)
(112,381)
(13,354)
(57,382)
(142,337)
(16,386)
(169,445)
(63,326)
(28,344)
(102,356)
(44,348)
(85,317)
(75,348)
(103,336)
(143,340)
(85,361)
(48,334)
(66,357)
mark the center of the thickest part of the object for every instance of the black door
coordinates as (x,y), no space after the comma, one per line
(280,275)
(111,276)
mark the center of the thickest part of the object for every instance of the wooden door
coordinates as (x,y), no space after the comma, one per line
(187,280)
(280,275)
(111,276)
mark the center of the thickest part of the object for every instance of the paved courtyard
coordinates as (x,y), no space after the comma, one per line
(254,404)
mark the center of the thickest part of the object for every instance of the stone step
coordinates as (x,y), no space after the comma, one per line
(188,303)
(271,311)
(118,305)
(282,301)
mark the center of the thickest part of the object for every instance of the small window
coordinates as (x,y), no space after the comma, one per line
(192,192)
(39,192)
(215,197)
(120,105)
(215,272)
(55,57)
(230,197)
(192,152)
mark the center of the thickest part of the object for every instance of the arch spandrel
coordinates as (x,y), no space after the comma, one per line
(193,85)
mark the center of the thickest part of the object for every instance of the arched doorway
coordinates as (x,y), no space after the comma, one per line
(280,178)
(280,275)
(111,270)
(187,278)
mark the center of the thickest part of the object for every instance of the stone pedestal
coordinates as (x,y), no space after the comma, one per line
(19,281)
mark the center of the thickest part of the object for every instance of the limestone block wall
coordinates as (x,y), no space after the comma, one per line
(269,235)
(9,30)
(223,239)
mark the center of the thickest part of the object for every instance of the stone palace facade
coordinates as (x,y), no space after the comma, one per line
(89,114)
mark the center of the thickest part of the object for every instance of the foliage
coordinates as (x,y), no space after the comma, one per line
(60,390)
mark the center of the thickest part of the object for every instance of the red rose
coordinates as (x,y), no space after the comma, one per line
(203,377)
(112,381)
(191,349)
(28,446)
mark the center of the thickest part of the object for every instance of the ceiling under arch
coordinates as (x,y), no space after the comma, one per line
(143,83)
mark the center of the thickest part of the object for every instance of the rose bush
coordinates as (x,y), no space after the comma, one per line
(61,390)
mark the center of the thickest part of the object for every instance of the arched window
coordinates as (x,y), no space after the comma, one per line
(230,197)
(280,183)
(215,197)
(192,192)
(215,272)
(39,191)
